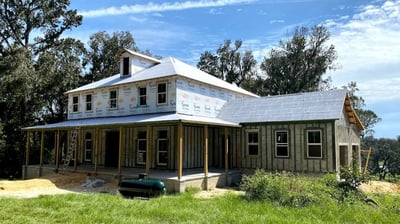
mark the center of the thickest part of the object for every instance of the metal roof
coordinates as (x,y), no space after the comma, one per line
(168,67)
(324,105)
(134,120)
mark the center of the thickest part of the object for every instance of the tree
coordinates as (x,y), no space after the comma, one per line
(27,30)
(298,64)
(367,117)
(101,56)
(229,63)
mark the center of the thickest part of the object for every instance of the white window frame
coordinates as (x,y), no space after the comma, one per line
(111,100)
(280,144)
(89,103)
(314,144)
(75,104)
(162,93)
(159,152)
(87,140)
(142,96)
(141,151)
(249,144)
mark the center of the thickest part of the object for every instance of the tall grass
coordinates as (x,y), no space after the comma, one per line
(185,208)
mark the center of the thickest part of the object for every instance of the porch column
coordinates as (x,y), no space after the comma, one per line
(77,146)
(28,147)
(120,149)
(205,150)
(96,148)
(41,148)
(57,148)
(148,149)
(180,145)
(226,150)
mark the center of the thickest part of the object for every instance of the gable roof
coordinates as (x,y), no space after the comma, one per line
(311,106)
(168,67)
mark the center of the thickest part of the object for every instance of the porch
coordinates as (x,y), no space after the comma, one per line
(190,177)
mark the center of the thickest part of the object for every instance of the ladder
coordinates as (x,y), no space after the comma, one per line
(71,148)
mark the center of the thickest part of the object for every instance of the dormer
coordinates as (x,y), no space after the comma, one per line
(132,62)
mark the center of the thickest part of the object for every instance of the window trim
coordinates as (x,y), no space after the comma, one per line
(75,105)
(91,102)
(277,144)
(113,99)
(314,144)
(86,149)
(163,93)
(139,95)
(158,148)
(138,140)
(252,144)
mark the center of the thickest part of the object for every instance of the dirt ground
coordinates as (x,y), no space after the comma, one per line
(75,183)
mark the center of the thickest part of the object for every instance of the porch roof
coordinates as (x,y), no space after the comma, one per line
(135,119)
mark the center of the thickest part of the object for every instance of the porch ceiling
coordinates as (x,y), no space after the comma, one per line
(134,120)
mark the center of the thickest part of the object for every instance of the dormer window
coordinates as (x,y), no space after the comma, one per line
(125,66)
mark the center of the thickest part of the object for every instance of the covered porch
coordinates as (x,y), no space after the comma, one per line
(183,152)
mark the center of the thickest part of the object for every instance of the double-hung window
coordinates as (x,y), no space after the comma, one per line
(314,144)
(142,96)
(162,93)
(113,99)
(89,103)
(252,143)
(141,147)
(75,103)
(162,147)
(281,144)
(88,147)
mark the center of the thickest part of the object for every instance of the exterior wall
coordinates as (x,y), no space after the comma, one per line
(200,99)
(297,160)
(128,100)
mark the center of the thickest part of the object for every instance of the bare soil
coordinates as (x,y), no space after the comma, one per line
(74,183)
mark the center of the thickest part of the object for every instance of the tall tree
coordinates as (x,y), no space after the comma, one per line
(368,117)
(298,64)
(27,29)
(231,64)
(101,55)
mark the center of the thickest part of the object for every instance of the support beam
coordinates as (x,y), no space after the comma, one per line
(96,149)
(205,150)
(120,148)
(57,149)
(148,149)
(226,150)
(28,147)
(77,146)
(180,146)
(41,148)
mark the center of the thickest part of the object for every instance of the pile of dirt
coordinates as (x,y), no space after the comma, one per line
(380,187)
(58,184)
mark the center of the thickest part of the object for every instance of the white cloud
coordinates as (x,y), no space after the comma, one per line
(166,6)
(368,47)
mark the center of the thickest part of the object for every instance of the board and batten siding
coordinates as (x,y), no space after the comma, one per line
(297,139)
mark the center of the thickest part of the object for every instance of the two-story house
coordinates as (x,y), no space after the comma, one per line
(175,122)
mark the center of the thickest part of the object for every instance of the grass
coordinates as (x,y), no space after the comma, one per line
(185,208)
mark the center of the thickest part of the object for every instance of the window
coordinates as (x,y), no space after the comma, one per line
(141,147)
(162,148)
(89,102)
(314,144)
(125,66)
(142,96)
(75,103)
(162,93)
(281,144)
(88,147)
(252,143)
(112,101)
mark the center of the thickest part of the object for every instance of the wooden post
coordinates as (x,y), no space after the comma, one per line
(77,147)
(120,149)
(28,147)
(226,150)
(57,148)
(148,149)
(205,150)
(180,145)
(96,149)
(41,148)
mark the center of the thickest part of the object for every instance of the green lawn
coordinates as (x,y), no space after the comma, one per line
(185,208)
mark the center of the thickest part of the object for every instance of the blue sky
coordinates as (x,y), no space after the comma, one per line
(366,35)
